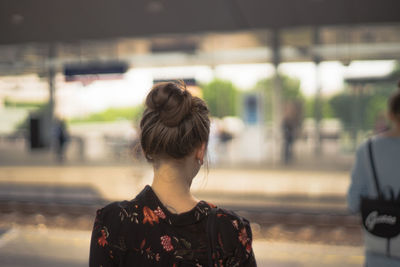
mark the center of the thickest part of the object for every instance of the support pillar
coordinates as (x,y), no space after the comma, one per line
(318,94)
(51,79)
(277,97)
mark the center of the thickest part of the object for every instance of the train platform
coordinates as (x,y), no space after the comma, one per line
(40,246)
(112,179)
(293,189)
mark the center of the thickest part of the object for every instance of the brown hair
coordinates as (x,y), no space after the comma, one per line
(174,122)
(394,103)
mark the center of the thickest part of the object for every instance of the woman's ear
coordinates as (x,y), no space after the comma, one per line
(201,151)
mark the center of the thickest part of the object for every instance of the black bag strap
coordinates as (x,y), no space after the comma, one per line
(211,234)
(374,174)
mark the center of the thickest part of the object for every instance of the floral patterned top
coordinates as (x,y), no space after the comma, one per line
(142,232)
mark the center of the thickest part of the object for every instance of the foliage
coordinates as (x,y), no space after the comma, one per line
(359,106)
(342,104)
(290,87)
(309,105)
(360,110)
(221,97)
(26,104)
(113,114)
(290,92)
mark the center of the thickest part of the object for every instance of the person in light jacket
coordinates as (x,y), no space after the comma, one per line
(386,154)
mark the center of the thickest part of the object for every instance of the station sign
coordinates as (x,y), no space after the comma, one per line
(92,71)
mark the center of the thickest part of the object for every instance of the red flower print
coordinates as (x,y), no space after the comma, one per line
(248,247)
(102,239)
(159,213)
(211,205)
(166,242)
(243,236)
(149,216)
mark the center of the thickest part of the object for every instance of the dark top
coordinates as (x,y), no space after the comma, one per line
(142,232)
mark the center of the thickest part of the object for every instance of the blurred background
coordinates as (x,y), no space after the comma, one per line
(293,88)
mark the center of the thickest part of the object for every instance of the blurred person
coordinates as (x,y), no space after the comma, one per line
(61,138)
(165,225)
(386,158)
(288,130)
(224,135)
(224,141)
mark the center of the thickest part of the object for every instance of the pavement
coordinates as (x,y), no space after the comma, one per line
(39,247)
(257,188)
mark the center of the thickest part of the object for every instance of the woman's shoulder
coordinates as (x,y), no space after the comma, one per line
(117,213)
(229,216)
(378,143)
(123,208)
(364,145)
(386,139)
(225,216)
(232,225)
(117,218)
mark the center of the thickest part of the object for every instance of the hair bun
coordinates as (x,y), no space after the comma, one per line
(171,100)
(174,123)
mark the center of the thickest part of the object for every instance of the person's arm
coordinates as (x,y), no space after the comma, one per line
(359,182)
(102,254)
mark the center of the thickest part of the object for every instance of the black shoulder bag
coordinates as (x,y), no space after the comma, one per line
(381,215)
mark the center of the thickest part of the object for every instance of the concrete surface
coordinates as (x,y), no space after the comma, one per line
(39,247)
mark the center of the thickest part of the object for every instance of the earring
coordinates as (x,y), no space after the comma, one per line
(200,162)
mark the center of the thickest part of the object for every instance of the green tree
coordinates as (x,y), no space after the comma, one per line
(221,97)
(309,107)
(23,104)
(342,105)
(290,92)
(114,114)
(358,106)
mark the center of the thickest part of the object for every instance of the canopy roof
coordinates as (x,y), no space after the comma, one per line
(25,21)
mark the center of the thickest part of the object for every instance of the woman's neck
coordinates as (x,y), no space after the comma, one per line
(394,131)
(172,186)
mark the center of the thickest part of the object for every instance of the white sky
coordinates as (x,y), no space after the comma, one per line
(74,98)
